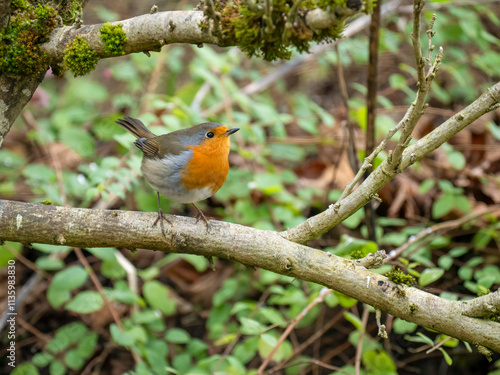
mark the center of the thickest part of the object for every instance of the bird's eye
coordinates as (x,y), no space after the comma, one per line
(210,135)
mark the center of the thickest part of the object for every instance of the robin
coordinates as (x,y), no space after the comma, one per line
(185,166)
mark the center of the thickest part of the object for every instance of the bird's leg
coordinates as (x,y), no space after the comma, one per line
(200,215)
(161,217)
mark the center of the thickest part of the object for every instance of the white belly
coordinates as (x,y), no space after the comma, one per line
(164,175)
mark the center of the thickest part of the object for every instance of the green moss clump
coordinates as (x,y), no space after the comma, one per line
(19,4)
(79,58)
(20,41)
(399,277)
(413,307)
(275,39)
(357,254)
(46,202)
(113,38)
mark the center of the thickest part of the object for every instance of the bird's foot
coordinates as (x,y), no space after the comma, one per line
(201,216)
(160,218)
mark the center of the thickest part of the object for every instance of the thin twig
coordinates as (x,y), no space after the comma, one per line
(296,351)
(359,348)
(371,103)
(352,152)
(131,276)
(98,285)
(440,228)
(437,346)
(233,343)
(33,330)
(324,292)
(382,332)
(430,34)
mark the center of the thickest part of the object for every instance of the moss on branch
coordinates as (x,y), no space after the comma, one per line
(273,31)
(79,57)
(113,38)
(29,27)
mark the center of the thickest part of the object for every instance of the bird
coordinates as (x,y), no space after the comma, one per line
(187,165)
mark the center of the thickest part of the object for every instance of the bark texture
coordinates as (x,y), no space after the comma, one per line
(38,223)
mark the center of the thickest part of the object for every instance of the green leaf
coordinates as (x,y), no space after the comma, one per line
(86,302)
(443,205)
(447,358)
(465,273)
(25,369)
(112,269)
(86,347)
(494,129)
(225,293)
(462,203)
(49,264)
(429,276)
(251,326)
(354,220)
(156,354)
(70,278)
(354,320)
(225,339)
(73,359)
(198,262)
(57,368)
(197,348)
(157,296)
(378,362)
(402,326)
(425,339)
(489,271)
(345,301)
(246,350)
(445,262)
(458,251)
(420,338)
(182,362)
(447,187)
(66,336)
(42,359)
(425,186)
(57,297)
(457,160)
(177,336)
(78,140)
(128,337)
(272,316)
(268,183)
(266,344)
(49,249)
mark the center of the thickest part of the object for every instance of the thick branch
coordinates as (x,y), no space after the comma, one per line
(148,32)
(30,222)
(318,225)
(15,93)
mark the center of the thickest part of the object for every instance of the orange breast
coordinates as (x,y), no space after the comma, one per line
(209,165)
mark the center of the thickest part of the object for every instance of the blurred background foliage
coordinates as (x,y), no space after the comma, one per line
(288,162)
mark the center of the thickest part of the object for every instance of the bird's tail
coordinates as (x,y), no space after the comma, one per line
(135,126)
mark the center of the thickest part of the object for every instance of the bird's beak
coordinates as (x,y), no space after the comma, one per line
(231,131)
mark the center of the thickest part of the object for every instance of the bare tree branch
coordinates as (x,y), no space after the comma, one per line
(148,32)
(31,222)
(316,226)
